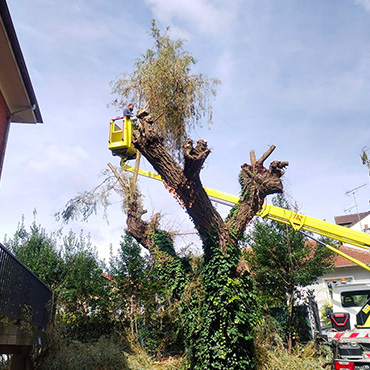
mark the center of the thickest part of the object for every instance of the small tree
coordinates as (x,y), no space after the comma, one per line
(129,272)
(34,246)
(146,301)
(85,308)
(283,261)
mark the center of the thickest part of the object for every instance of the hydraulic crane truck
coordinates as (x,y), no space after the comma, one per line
(349,336)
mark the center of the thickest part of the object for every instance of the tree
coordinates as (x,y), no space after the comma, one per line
(218,306)
(84,302)
(146,301)
(129,273)
(34,246)
(226,313)
(74,273)
(365,157)
(283,261)
(161,78)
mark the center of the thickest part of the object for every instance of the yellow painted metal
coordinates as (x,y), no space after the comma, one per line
(354,260)
(119,141)
(296,220)
(299,221)
(366,325)
(228,198)
(151,175)
(365,309)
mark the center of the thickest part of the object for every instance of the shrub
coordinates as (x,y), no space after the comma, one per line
(59,353)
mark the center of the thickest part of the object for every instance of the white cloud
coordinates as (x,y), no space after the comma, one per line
(365,3)
(208,16)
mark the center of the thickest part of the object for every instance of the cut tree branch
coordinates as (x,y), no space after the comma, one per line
(257,182)
(194,157)
(266,155)
(252,156)
(138,228)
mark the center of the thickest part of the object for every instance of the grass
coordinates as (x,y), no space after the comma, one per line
(138,359)
(109,354)
(272,355)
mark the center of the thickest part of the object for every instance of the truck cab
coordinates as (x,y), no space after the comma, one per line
(349,336)
(350,298)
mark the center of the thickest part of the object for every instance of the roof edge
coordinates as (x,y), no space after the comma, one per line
(9,27)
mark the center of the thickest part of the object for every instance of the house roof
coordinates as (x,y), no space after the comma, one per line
(339,261)
(350,220)
(360,254)
(15,82)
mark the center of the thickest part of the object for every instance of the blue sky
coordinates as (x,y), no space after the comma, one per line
(295,74)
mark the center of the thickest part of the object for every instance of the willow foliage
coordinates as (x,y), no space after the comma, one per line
(87,203)
(365,157)
(162,79)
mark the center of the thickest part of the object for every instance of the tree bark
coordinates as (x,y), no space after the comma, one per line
(257,182)
(185,184)
(290,322)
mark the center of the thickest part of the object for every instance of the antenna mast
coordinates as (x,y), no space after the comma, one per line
(353,192)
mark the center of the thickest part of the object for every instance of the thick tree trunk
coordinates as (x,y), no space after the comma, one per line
(185,185)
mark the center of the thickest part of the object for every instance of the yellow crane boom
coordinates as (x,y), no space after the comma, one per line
(296,220)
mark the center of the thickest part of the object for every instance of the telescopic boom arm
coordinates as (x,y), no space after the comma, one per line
(298,221)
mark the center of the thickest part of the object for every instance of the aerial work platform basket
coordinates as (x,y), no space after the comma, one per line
(119,141)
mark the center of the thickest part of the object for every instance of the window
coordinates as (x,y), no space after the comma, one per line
(355,299)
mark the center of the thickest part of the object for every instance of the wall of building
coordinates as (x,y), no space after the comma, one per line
(363,224)
(4,129)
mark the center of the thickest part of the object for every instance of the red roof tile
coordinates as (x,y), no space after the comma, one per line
(360,254)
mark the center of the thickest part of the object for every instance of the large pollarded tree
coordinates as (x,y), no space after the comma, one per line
(218,308)
(220,313)
(220,337)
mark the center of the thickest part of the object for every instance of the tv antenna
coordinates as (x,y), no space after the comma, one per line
(346,210)
(353,192)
